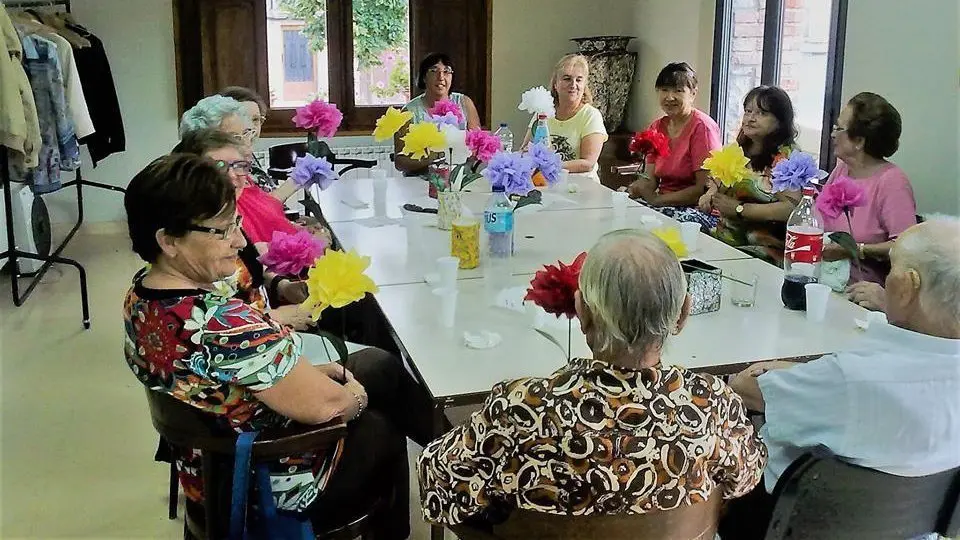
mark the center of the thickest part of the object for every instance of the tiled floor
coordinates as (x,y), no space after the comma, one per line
(76,446)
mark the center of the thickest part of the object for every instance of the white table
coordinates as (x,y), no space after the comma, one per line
(732,335)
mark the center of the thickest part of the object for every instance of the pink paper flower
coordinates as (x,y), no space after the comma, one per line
(319,115)
(483,144)
(445,106)
(290,254)
(839,196)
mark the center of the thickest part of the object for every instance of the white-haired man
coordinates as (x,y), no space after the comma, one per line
(892,402)
(616,434)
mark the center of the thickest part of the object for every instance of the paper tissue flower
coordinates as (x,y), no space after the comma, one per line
(483,144)
(839,197)
(728,165)
(791,174)
(547,163)
(512,170)
(422,139)
(553,288)
(335,280)
(672,238)
(390,123)
(447,119)
(651,144)
(444,107)
(537,100)
(289,254)
(309,170)
(320,116)
(456,143)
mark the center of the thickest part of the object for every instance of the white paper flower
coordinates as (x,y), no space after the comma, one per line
(537,100)
(456,140)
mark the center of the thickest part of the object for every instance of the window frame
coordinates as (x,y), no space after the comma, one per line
(770,63)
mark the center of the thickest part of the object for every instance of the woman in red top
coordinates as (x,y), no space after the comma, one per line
(677,181)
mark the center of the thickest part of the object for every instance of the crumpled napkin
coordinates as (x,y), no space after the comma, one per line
(484,339)
(834,274)
(511,298)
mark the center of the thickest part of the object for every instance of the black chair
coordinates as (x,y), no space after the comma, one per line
(821,497)
(185,426)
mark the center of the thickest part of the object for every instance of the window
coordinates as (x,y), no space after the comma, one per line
(794,44)
(359,54)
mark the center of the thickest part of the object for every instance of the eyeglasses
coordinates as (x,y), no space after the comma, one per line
(224,234)
(440,71)
(240,166)
(246,136)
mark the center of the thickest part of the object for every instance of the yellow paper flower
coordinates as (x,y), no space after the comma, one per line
(390,123)
(671,237)
(728,164)
(422,139)
(337,279)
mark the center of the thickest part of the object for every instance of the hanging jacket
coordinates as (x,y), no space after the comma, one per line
(19,127)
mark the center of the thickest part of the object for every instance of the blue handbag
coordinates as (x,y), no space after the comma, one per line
(266,522)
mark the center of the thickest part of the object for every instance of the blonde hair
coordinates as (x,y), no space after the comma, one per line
(576,60)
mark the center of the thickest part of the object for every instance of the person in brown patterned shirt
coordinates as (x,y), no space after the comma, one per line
(617,434)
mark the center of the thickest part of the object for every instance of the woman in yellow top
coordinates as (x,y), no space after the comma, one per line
(577,132)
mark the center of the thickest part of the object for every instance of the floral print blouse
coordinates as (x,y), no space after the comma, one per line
(214,352)
(593,439)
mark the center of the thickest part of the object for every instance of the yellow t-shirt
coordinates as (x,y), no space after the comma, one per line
(565,135)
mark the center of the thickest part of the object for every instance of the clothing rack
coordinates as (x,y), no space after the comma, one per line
(12,252)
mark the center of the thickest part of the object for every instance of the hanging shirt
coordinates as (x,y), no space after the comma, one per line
(76,101)
(19,127)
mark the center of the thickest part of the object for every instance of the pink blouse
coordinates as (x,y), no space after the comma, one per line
(262,214)
(890,210)
(688,150)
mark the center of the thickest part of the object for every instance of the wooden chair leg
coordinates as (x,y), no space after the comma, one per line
(174,490)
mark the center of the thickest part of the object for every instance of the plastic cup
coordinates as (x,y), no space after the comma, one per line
(379,192)
(447,270)
(744,294)
(690,232)
(448,306)
(818,296)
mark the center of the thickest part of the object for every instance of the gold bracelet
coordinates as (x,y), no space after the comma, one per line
(860,251)
(360,405)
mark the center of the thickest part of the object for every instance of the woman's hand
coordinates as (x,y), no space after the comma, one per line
(644,188)
(292,292)
(834,252)
(726,205)
(705,204)
(336,372)
(293,316)
(868,295)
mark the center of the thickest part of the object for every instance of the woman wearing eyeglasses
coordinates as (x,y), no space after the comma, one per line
(435,80)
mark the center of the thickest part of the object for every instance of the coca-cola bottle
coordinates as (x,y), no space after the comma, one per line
(801,256)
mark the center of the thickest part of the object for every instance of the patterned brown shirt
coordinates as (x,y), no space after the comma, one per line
(594,439)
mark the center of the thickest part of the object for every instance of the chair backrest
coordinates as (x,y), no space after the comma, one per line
(823,497)
(692,522)
(284,156)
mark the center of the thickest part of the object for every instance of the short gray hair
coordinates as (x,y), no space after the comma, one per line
(209,113)
(933,250)
(634,288)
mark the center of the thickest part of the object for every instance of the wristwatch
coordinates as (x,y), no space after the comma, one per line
(739,210)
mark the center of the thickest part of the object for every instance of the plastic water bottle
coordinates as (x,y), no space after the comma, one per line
(498,227)
(541,133)
(506,137)
(804,247)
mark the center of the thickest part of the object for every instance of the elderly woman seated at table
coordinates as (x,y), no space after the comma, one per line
(188,338)
(677,181)
(577,131)
(619,433)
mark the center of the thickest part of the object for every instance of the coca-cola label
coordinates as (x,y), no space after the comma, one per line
(803,247)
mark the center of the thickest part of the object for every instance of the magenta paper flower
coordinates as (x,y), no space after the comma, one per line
(839,196)
(310,170)
(290,254)
(444,106)
(483,144)
(319,115)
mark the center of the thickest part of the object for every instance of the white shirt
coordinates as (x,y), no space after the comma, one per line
(76,101)
(892,405)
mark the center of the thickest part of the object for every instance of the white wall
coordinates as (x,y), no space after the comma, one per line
(908,52)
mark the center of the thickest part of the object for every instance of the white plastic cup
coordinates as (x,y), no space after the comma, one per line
(448,306)
(818,296)
(447,268)
(690,232)
(563,181)
(379,178)
(619,199)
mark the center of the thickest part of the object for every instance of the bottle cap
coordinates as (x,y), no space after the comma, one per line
(503,124)
(810,190)
(499,189)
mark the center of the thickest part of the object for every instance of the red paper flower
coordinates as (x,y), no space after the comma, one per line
(651,144)
(319,115)
(553,287)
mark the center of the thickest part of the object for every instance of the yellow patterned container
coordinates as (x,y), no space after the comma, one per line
(465,242)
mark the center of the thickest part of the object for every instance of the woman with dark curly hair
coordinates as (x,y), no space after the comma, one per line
(865,135)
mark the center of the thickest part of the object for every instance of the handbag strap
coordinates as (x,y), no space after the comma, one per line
(240,486)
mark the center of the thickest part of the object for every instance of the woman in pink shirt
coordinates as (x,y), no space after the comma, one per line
(677,181)
(866,133)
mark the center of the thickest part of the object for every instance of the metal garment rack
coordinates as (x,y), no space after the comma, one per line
(13,252)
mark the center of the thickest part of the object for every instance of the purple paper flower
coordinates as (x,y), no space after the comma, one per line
(512,170)
(839,197)
(794,172)
(311,170)
(546,161)
(447,119)
(289,254)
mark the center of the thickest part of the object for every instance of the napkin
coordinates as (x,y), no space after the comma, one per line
(352,201)
(484,339)
(511,299)
(376,221)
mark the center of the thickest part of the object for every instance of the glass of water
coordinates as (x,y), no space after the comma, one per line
(743,291)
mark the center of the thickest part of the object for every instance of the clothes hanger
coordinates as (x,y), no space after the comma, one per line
(28,24)
(51,20)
